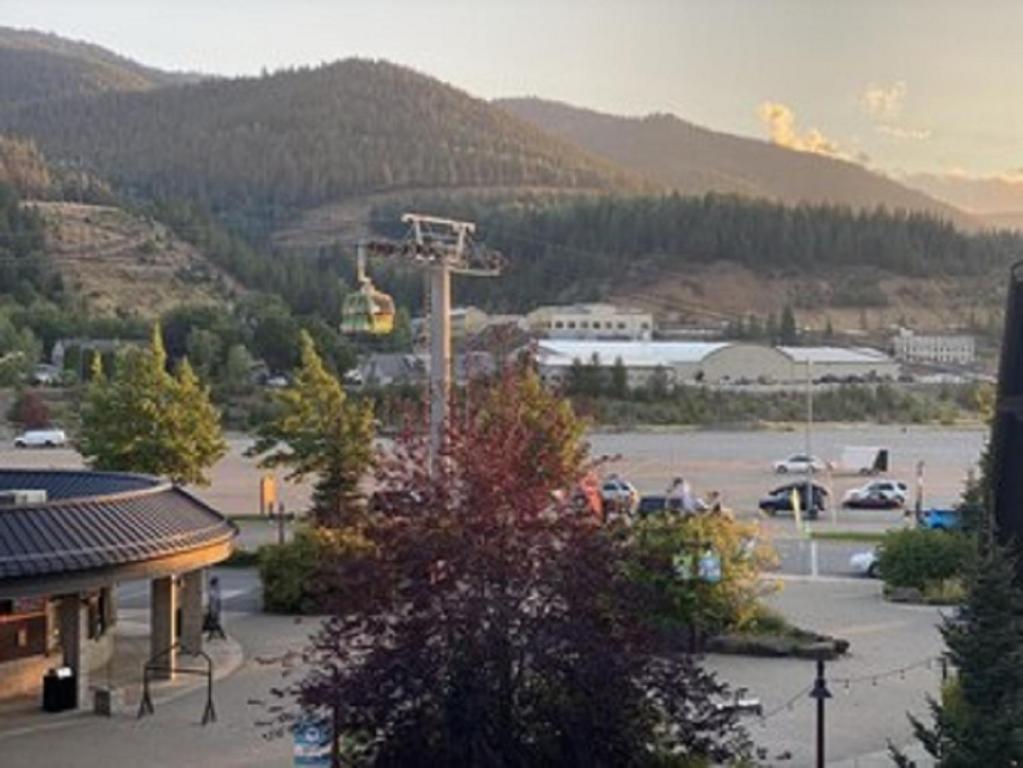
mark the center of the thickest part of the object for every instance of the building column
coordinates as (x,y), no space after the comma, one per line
(163,609)
(74,638)
(191,610)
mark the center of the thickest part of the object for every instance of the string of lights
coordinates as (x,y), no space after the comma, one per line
(847,682)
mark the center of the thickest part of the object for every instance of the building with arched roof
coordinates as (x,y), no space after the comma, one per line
(700,362)
(68,538)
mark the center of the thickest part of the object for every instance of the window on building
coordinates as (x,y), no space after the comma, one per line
(621,326)
(584,324)
(571,324)
(558,324)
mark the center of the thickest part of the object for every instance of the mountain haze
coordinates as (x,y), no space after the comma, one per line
(696,160)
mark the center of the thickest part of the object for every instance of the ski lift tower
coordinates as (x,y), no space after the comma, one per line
(441,247)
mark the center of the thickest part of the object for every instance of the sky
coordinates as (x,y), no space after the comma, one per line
(903,86)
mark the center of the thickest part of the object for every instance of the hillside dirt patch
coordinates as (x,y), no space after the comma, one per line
(719,292)
(126,264)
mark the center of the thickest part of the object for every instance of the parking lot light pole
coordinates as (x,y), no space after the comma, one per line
(810,506)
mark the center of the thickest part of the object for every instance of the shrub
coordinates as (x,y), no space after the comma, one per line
(919,558)
(289,571)
(730,603)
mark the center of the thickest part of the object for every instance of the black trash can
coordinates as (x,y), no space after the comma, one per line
(59,690)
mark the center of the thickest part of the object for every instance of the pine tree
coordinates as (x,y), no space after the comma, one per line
(979,720)
(143,419)
(788,333)
(318,431)
(619,380)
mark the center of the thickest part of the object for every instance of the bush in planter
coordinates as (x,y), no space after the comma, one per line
(917,558)
(681,599)
(291,572)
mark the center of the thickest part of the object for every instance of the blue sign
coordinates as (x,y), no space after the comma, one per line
(710,567)
(312,743)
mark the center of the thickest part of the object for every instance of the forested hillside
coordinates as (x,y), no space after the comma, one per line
(592,249)
(694,160)
(303,137)
(35,66)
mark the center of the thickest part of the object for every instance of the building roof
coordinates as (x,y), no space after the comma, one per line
(826,355)
(99,520)
(633,354)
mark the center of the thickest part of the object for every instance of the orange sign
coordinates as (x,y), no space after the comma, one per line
(267,492)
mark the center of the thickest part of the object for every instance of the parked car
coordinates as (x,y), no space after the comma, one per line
(800,463)
(619,495)
(652,505)
(877,494)
(865,564)
(941,520)
(780,500)
(41,438)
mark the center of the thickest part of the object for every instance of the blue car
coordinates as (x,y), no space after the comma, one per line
(941,520)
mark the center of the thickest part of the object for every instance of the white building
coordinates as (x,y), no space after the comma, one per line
(693,362)
(955,349)
(591,321)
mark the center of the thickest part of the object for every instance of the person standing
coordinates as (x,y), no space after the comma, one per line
(214,611)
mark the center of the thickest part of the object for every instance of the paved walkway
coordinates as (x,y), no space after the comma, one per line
(863,716)
(860,720)
(22,715)
(173,737)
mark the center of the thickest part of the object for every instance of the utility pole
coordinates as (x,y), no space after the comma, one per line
(810,507)
(442,247)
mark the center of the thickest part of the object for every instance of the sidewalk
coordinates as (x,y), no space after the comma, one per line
(23,714)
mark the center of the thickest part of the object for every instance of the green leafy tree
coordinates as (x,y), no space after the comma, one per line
(318,431)
(237,368)
(143,419)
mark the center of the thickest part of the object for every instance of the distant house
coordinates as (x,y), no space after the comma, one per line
(950,349)
(591,321)
(58,356)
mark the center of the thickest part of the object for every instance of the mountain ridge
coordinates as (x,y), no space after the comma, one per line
(695,160)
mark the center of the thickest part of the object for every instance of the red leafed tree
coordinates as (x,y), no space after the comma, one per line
(497,627)
(31,411)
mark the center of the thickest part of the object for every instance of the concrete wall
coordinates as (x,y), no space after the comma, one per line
(24,677)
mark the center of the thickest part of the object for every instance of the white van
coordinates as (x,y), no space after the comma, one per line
(864,460)
(41,438)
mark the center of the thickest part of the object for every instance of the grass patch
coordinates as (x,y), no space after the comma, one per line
(865,537)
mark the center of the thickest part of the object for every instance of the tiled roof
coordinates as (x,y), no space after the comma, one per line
(99,520)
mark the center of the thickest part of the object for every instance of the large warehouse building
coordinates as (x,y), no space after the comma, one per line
(686,362)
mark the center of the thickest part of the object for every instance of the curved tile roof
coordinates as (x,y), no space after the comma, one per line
(98,520)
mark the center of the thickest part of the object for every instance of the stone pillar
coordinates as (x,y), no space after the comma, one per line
(191,609)
(162,606)
(74,637)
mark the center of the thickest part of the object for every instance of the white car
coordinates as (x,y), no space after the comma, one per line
(620,495)
(865,564)
(883,490)
(41,438)
(799,463)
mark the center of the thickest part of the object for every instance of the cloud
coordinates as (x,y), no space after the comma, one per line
(780,122)
(883,102)
(902,132)
(883,105)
